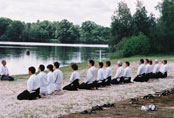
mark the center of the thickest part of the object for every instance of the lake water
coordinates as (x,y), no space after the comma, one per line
(18,60)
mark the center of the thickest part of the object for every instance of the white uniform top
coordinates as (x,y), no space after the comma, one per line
(58,79)
(141,69)
(75,75)
(164,68)
(51,83)
(150,68)
(108,72)
(91,75)
(42,77)
(101,73)
(32,83)
(156,68)
(127,72)
(119,72)
(4,70)
(147,69)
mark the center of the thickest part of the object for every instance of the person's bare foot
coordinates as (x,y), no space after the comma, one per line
(58,93)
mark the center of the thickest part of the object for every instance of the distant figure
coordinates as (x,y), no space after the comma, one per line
(58,77)
(100,75)
(4,72)
(118,78)
(33,89)
(147,70)
(163,69)
(156,70)
(127,73)
(90,81)
(151,69)
(108,74)
(42,77)
(141,72)
(74,79)
(27,52)
(51,82)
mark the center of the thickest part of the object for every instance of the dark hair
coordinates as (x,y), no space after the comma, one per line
(74,66)
(142,61)
(147,60)
(108,63)
(165,61)
(50,67)
(56,64)
(150,61)
(32,69)
(92,62)
(100,64)
(42,67)
(127,63)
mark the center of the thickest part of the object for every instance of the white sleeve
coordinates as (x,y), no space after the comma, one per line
(154,70)
(1,71)
(118,73)
(7,72)
(139,69)
(99,76)
(72,77)
(89,76)
(30,85)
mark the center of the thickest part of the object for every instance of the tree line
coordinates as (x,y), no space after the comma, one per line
(61,32)
(140,33)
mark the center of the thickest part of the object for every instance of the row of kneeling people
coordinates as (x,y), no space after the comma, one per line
(44,84)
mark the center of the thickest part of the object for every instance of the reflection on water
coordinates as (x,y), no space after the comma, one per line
(18,61)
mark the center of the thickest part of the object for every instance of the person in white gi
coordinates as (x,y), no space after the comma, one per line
(42,77)
(4,73)
(147,70)
(141,72)
(163,69)
(127,73)
(33,89)
(58,77)
(90,81)
(51,81)
(108,74)
(156,69)
(101,74)
(118,78)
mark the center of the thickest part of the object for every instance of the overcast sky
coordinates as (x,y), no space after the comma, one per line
(76,11)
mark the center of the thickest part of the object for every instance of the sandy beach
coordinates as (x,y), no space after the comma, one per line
(71,102)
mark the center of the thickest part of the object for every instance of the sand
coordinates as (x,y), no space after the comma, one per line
(77,101)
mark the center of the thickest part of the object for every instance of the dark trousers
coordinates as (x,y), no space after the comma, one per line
(26,95)
(127,79)
(107,81)
(140,78)
(73,86)
(7,78)
(88,86)
(156,75)
(147,77)
(162,75)
(117,80)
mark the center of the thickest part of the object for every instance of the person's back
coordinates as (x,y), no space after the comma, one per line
(50,79)
(156,68)
(141,77)
(100,76)
(127,73)
(141,70)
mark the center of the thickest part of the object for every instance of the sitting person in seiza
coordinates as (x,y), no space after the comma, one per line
(100,75)
(4,72)
(58,77)
(108,74)
(91,77)
(156,69)
(118,78)
(33,89)
(74,79)
(127,73)
(42,77)
(163,69)
(51,82)
(148,70)
(141,72)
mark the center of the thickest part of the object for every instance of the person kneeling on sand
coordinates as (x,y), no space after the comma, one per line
(141,72)
(58,77)
(127,73)
(74,79)
(147,70)
(42,77)
(33,89)
(50,79)
(163,69)
(90,82)
(118,78)
(156,70)
(4,72)
(108,74)
(100,75)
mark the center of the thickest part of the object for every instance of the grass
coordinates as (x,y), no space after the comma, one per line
(67,70)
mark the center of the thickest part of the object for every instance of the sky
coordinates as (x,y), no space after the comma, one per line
(76,11)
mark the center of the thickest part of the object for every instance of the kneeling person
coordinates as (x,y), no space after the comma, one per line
(33,89)
(127,73)
(118,78)
(108,74)
(4,72)
(74,79)
(164,69)
(100,76)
